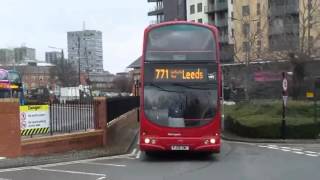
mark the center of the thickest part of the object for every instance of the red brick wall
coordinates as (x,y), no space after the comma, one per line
(10,141)
(62,143)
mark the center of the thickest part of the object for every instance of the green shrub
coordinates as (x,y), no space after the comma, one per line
(262,119)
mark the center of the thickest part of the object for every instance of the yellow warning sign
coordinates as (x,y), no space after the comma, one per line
(310,94)
(28,132)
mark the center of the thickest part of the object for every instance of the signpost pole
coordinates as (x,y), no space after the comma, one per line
(284,104)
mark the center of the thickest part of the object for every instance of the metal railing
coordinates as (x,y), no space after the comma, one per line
(71,117)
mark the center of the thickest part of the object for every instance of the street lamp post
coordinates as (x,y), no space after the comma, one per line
(79,61)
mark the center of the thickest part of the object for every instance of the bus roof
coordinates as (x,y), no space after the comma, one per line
(154,26)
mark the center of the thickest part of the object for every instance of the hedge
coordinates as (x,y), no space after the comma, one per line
(262,119)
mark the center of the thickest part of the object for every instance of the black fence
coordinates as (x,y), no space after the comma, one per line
(119,105)
(71,117)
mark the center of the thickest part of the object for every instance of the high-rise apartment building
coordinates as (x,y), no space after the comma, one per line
(284,24)
(168,10)
(218,13)
(265,29)
(53,57)
(6,56)
(196,11)
(24,53)
(86,46)
(250,23)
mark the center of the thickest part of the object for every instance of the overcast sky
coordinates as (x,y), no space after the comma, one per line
(42,23)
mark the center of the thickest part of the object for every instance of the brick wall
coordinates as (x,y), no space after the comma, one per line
(10,129)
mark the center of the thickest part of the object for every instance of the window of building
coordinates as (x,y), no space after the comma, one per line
(200,20)
(232,15)
(245,46)
(231,1)
(259,48)
(192,9)
(245,10)
(258,9)
(259,27)
(232,32)
(246,29)
(199,7)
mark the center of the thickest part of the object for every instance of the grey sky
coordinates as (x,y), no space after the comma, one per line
(42,23)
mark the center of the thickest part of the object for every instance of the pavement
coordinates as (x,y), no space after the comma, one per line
(237,160)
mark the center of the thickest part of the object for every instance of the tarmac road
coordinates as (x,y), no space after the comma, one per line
(237,161)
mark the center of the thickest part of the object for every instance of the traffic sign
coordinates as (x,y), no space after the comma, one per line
(285,84)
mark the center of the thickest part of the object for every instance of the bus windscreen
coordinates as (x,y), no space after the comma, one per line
(180,42)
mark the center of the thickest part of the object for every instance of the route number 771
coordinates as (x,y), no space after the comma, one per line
(162,73)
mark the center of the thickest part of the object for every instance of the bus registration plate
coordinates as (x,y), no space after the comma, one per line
(179,148)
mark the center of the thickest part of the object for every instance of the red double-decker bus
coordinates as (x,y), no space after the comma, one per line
(181,88)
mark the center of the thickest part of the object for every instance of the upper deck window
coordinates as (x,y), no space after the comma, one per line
(181,42)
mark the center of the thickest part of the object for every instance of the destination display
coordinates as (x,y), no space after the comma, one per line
(180,73)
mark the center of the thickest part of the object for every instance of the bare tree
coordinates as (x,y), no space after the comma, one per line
(123,84)
(65,73)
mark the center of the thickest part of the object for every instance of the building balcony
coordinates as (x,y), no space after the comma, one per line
(286,29)
(221,23)
(283,10)
(153,1)
(212,8)
(157,10)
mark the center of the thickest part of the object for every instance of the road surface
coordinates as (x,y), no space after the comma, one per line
(237,161)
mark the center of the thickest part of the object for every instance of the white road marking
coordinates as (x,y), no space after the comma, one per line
(285,150)
(83,161)
(286,147)
(310,152)
(69,172)
(298,152)
(64,163)
(263,146)
(235,142)
(104,164)
(313,155)
(101,178)
(134,151)
(138,155)
(273,147)
(296,149)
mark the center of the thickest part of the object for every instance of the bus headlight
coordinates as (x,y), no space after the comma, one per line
(147,140)
(212,141)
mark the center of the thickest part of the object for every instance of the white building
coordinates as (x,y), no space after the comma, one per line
(87,46)
(220,14)
(196,11)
